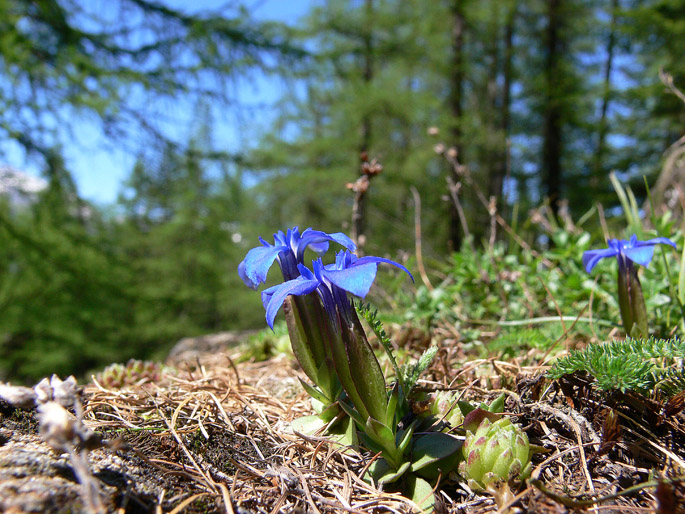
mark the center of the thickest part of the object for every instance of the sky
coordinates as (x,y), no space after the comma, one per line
(100,171)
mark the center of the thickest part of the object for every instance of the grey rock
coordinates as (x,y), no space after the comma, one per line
(36,478)
(189,349)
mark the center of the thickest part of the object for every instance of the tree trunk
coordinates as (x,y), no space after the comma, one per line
(552,113)
(498,170)
(603,128)
(359,215)
(456,107)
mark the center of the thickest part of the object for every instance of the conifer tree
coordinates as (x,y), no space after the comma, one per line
(554,106)
(66,291)
(374,90)
(117,63)
(652,117)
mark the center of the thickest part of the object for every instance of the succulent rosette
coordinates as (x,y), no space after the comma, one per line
(443,406)
(497,451)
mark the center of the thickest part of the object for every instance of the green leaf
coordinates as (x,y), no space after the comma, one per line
(465,407)
(441,467)
(377,328)
(392,404)
(383,473)
(327,379)
(369,443)
(380,433)
(315,393)
(405,436)
(299,340)
(308,424)
(421,493)
(353,414)
(338,350)
(329,412)
(317,405)
(413,373)
(627,200)
(433,447)
(343,432)
(349,436)
(497,404)
(367,375)
(681,278)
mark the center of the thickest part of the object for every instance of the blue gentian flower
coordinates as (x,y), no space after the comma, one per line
(288,249)
(631,301)
(349,274)
(631,250)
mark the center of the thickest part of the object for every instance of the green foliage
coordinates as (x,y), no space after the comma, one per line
(517,292)
(63,62)
(376,417)
(385,71)
(360,92)
(628,203)
(81,289)
(82,286)
(514,341)
(653,116)
(267,343)
(65,289)
(529,298)
(660,282)
(412,372)
(642,365)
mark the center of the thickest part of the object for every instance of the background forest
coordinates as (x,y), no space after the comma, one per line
(498,107)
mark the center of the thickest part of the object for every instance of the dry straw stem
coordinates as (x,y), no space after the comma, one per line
(231,444)
(463,172)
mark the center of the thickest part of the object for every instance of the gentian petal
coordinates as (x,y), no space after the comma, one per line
(243,275)
(273,297)
(657,240)
(319,248)
(305,272)
(369,258)
(344,259)
(356,275)
(592,257)
(318,242)
(640,254)
(267,294)
(343,240)
(355,279)
(280,239)
(254,268)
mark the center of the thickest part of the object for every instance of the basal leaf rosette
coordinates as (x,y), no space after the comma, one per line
(497,451)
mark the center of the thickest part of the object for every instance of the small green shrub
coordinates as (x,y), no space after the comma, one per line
(641,365)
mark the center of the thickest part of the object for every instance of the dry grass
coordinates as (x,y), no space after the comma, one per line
(217,437)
